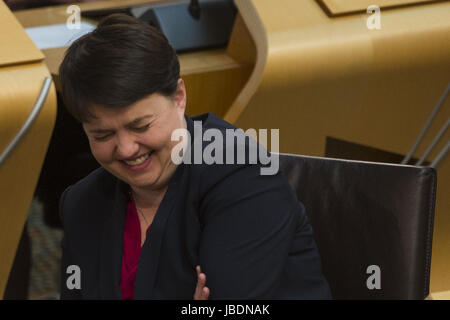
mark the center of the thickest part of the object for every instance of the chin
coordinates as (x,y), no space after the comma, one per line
(142,182)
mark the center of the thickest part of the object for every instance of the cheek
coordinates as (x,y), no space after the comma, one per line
(160,137)
(162,142)
(101,151)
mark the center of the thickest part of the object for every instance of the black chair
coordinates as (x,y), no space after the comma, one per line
(365,214)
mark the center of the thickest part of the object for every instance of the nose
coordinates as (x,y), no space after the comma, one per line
(126,146)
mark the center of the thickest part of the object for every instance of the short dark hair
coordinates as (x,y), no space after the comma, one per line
(122,61)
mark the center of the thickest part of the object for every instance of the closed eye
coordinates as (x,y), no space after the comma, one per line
(142,129)
(106,136)
(103,138)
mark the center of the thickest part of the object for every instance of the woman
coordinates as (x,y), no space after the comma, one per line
(140,225)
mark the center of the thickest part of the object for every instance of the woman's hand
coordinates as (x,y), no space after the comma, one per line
(201,291)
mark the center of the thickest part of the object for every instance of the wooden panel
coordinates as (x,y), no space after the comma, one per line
(22,73)
(340,7)
(19,174)
(241,46)
(15,46)
(214,91)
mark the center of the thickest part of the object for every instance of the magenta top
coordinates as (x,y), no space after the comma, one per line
(131,250)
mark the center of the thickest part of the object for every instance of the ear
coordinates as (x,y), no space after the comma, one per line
(180,96)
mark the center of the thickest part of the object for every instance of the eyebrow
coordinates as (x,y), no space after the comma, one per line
(137,120)
(129,124)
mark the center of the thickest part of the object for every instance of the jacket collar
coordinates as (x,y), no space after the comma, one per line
(112,243)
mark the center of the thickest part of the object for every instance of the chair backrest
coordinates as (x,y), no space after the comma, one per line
(368,214)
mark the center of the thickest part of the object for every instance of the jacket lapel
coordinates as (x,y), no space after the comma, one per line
(148,263)
(112,244)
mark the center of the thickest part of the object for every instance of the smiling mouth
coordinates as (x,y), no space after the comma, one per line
(139,160)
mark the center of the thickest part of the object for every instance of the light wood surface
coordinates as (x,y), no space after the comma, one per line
(338,7)
(20,83)
(317,77)
(441,295)
(22,50)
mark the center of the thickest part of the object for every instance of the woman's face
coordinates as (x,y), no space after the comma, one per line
(134,143)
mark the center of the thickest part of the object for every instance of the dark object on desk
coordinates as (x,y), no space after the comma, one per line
(189,26)
(364,214)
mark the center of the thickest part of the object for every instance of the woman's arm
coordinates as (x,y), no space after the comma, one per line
(249,223)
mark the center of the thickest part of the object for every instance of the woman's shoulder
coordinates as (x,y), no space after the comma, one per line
(88,192)
(95,182)
(223,151)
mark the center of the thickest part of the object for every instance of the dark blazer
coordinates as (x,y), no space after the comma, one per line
(248,232)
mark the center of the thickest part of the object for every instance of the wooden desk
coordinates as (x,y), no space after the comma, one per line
(208,74)
(22,73)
